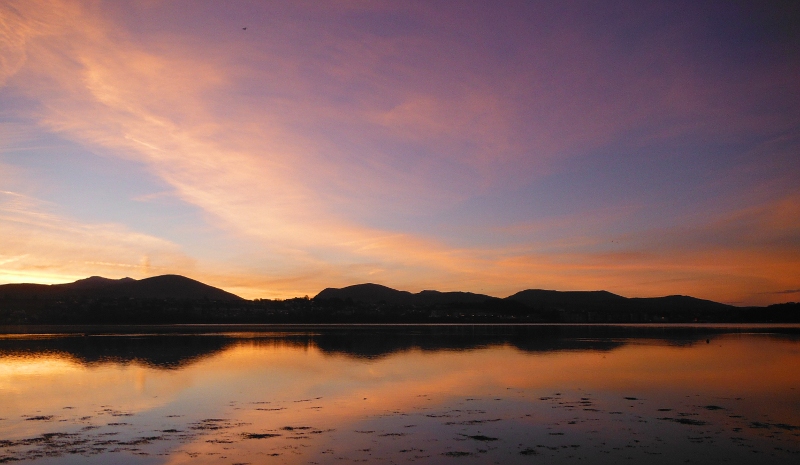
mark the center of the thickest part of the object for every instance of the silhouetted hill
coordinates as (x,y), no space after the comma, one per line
(375,293)
(679,303)
(173,299)
(368,293)
(604,301)
(94,282)
(588,300)
(539,305)
(27,291)
(443,298)
(157,287)
(537,299)
(168,286)
(541,297)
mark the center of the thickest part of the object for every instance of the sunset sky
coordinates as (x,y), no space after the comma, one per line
(644,148)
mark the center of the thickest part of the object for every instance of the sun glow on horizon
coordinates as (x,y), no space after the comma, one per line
(416,146)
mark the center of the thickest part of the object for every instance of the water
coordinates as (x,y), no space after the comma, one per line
(402,394)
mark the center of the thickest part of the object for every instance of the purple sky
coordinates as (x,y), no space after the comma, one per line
(645,148)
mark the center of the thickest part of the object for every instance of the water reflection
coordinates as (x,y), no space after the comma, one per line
(173,347)
(426,394)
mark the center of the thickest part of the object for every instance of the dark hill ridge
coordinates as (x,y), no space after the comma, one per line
(169,286)
(173,299)
(367,293)
(436,297)
(157,287)
(535,299)
(606,302)
(94,282)
(680,302)
(375,293)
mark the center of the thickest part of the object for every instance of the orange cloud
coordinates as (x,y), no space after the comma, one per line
(254,165)
(39,246)
(152,108)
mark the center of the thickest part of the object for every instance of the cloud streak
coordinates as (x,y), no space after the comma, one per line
(334,142)
(787,291)
(41,246)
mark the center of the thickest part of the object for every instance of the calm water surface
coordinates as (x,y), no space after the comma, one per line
(425,394)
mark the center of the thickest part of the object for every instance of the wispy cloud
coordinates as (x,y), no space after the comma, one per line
(118,98)
(308,135)
(787,291)
(41,246)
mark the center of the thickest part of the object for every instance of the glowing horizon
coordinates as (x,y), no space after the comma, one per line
(646,149)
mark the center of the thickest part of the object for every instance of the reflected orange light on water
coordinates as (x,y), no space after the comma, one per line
(284,372)
(264,386)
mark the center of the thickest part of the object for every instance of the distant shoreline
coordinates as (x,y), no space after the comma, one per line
(173,299)
(201,328)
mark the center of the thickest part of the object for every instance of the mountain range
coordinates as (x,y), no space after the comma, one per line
(171,299)
(183,288)
(158,287)
(537,299)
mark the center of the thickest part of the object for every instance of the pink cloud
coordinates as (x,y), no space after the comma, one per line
(290,135)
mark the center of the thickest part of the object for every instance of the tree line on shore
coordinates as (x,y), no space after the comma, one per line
(179,300)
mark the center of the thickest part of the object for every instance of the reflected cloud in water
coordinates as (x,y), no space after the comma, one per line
(429,394)
(172,347)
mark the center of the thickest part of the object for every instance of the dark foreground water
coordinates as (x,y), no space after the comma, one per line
(401,394)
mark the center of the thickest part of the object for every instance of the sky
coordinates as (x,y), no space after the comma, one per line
(274,149)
